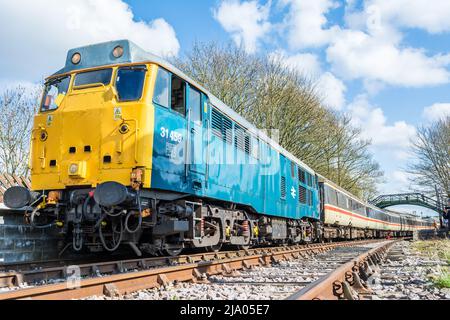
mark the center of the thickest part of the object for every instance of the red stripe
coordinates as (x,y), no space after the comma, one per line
(349,213)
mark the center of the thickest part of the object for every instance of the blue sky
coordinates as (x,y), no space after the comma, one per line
(387,63)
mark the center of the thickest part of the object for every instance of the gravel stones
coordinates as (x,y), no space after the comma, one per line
(409,275)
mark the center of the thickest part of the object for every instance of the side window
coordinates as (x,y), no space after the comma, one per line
(162,85)
(54,89)
(178,102)
(195,105)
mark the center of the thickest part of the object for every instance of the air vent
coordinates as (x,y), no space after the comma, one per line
(227,130)
(302,194)
(247,144)
(216,123)
(239,138)
(283,187)
(302,176)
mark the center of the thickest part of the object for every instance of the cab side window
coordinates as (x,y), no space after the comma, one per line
(162,91)
(178,102)
(195,99)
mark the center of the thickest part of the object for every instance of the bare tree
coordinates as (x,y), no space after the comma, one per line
(272,95)
(431,149)
(17,107)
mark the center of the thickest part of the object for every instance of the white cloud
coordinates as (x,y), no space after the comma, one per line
(306,63)
(358,55)
(390,142)
(306,22)
(38,33)
(397,181)
(432,16)
(332,91)
(247,21)
(370,48)
(395,138)
(437,111)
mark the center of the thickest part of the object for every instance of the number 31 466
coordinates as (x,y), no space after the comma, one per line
(172,135)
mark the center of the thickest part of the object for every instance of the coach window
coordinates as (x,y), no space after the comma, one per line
(178,95)
(195,105)
(162,85)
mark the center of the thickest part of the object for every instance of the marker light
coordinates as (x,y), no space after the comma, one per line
(76,58)
(118,52)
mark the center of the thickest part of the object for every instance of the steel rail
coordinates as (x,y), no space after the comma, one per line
(190,270)
(347,282)
(35,272)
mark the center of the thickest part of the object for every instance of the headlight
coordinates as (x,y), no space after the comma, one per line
(118,52)
(76,58)
(73,169)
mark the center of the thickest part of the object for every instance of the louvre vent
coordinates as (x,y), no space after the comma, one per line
(227,130)
(216,123)
(283,187)
(248,144)
(302,194)
(302,176)
(239,138)
(222,127)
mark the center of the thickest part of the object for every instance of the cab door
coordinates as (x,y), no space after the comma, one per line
(197,124)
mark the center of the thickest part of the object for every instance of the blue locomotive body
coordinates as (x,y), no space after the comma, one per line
(218,158)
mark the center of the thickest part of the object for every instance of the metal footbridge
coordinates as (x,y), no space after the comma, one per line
(416,199)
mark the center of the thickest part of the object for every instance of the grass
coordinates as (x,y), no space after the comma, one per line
(441,249)
(443,281)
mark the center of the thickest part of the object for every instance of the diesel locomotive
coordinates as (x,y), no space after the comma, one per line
(128,150)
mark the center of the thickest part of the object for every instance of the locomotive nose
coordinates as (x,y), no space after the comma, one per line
(17,197)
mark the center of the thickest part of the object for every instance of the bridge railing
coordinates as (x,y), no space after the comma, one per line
(384,201)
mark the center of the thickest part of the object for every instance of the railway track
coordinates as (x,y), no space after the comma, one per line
(347,281)
(283,280)
(128,276)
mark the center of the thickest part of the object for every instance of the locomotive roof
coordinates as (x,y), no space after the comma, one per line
(101,54)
